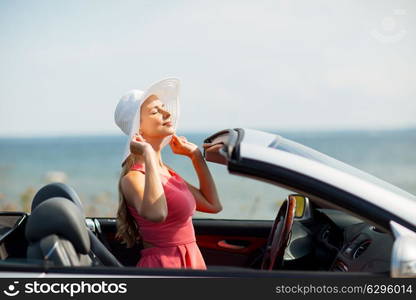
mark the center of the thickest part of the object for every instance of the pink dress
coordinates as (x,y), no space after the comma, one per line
(174,239)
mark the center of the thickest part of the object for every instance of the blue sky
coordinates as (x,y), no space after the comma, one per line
(263,64)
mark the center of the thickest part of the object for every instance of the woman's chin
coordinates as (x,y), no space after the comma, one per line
(168,130)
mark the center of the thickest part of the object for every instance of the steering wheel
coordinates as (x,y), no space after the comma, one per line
(279,236)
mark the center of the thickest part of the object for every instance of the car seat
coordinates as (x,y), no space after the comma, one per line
(56,232)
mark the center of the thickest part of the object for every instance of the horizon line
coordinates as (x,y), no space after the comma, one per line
(273,130)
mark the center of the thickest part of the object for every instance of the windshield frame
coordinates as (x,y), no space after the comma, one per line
(284,144)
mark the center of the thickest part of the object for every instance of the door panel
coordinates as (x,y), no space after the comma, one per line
(222,242)
(231,242)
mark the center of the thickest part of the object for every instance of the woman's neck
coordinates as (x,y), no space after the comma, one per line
(140,160)
(156,144)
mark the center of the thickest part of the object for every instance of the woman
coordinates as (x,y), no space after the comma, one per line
(155,203)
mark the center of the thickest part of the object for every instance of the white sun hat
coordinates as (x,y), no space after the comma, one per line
(127,113)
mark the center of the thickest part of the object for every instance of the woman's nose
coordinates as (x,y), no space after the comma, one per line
(166,113)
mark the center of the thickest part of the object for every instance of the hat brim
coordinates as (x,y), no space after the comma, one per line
(167,90)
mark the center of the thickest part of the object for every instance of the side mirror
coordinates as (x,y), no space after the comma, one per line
(403,257)
(302,206)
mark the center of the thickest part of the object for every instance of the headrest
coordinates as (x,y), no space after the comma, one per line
(61,217)
(56,189)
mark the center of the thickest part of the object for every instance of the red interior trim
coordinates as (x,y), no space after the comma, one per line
(211,242)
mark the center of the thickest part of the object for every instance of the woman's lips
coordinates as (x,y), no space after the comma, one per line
(168,124)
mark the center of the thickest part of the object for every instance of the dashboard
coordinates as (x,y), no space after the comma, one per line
(334,241)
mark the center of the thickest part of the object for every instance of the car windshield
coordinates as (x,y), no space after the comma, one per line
(290,146)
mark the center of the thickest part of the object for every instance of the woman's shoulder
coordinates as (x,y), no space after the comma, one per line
(131,185)
(132,178)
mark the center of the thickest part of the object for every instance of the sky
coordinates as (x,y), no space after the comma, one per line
(288,65)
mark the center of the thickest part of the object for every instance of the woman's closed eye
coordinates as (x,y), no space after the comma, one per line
(156,111)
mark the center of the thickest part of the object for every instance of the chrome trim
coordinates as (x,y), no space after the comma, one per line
(98,226)
(365,243)
(308,211)
(90,224)
(19,221)
(53,248)
(340,266)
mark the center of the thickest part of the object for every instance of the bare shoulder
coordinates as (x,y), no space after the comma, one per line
(133,185)
(131,177)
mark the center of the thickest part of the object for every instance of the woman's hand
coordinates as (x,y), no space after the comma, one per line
(139,146)
(180,145)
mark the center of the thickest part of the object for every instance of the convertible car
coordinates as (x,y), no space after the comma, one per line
(339,221)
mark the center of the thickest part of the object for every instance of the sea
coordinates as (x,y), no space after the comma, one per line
(91,165)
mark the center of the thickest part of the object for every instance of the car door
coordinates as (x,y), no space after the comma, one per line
(222,242)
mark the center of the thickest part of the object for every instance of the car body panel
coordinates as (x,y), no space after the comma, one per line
(252,153)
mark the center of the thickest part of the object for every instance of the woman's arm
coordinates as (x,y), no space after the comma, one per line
(206,196)
(145,191)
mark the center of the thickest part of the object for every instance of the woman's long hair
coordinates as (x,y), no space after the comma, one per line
(127,228)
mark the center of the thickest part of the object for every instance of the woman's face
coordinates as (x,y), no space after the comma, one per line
(154,118)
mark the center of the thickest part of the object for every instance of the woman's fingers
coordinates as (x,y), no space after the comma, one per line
(137,144)
(181,139)
(138,137)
